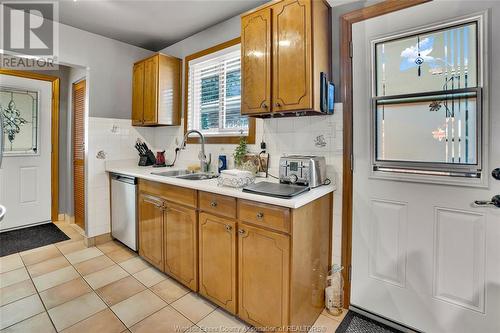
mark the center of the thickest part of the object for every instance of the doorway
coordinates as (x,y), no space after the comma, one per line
(29,183)
(78,142)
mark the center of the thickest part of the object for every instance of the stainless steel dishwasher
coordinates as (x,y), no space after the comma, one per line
(124,209)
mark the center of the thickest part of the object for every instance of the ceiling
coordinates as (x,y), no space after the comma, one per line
(152,25)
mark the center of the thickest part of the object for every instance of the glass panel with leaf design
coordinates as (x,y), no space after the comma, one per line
(21,121)
(427,102)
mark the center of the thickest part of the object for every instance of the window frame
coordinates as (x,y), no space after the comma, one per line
(221,139)
(434,171)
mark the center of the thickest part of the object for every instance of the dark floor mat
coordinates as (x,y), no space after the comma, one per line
(356,323)
(29,238)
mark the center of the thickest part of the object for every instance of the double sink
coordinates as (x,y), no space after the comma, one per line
(185,174)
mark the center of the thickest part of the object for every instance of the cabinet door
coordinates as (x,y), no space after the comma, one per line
(151,91)
(292,55)
(263,266)
(218,260)
(256,62)
(181,251)
(138,94)
(151,229)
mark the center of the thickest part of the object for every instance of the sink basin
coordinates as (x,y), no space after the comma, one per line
(185,174)
(172,173)
(197,176)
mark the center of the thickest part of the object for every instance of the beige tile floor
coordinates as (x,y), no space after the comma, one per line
(66,287)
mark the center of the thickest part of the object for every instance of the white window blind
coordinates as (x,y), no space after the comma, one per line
(214,94)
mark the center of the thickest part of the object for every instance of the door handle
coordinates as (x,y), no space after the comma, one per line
(495,201)
(496,173)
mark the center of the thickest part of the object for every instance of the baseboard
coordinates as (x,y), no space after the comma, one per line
(97,240)
(69,219)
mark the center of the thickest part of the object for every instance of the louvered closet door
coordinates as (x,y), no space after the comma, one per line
(79,152)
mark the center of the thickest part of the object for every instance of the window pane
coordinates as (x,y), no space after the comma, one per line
(439,60)
(233,83)
(438,129)
(20,117)
(233,119)
(214,96)
(209,106)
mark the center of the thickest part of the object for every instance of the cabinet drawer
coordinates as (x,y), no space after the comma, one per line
(176,194)
(218,204)
(270,216)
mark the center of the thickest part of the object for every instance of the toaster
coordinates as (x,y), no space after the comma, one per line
(303,170)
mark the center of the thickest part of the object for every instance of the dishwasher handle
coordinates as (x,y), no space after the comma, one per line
(124,179)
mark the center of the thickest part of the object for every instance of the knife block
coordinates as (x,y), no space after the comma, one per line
(147,159)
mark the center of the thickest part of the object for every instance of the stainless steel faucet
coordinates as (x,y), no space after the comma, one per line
(201,156)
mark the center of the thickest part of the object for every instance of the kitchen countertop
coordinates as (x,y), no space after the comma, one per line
(210,185)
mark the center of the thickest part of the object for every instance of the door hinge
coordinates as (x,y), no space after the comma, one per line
(352,162)
(349,274)
(350,49)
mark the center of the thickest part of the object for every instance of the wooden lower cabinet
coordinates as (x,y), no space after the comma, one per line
(263,278)
(151,229)
(217,255)
(181,244)
(266,265)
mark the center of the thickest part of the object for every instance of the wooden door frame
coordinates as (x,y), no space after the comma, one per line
(54,167)
(346,22)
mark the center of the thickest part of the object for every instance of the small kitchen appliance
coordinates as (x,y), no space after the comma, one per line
(283,191)
(303,170)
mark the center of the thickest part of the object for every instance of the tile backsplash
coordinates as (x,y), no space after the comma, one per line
(114,139)
(109,139)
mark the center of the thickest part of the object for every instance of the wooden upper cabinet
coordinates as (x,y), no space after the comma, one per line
(298,32)
(256,51)
(156,91)
(218,259)
(138,94)
(264,268)
(151,229)
(180,244)
(292,56)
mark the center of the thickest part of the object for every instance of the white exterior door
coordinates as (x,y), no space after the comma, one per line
(422,254)
(25,178)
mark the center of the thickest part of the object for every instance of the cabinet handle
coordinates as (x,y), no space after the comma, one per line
(241,231)
(260,215)
(213,204)
(264,105)
(228,227)
(153,202)
(278,104)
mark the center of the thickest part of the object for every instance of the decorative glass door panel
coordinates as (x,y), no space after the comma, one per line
(19,109)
